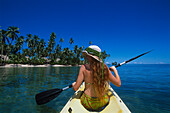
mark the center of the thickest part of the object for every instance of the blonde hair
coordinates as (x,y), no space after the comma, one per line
(100,81)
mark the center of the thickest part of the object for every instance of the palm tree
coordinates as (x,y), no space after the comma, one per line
(17,47)
(79,54)
(104,54)
(61,41)
(30,44)
(1,44)
(75,49)
(90,43)
(71,41)
(40,48)
(12,32)
(3,37)
(51,44)
(36,38)
(114,63)
(26,52)
(74,59)
(19,43)
(66,56)
(35,44)
(57,51)
(28,39)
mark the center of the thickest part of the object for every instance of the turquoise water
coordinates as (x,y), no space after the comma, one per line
(145,88)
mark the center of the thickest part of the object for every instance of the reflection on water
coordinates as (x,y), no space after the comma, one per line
(18,87)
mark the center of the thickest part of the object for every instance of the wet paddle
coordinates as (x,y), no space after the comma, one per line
(46,96)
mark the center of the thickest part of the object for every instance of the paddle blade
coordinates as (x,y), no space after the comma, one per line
(46,96)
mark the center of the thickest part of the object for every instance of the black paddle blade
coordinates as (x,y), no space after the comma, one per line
(46,96)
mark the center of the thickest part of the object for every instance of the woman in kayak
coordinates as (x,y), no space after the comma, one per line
(96,76)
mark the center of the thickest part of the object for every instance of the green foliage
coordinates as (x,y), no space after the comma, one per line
(114,63)
(38,52)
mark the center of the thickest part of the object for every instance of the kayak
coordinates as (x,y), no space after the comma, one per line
(116,105)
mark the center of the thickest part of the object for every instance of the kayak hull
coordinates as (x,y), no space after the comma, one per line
(116,105)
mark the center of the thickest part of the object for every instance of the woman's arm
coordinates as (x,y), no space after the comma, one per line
(114,79)
(80,79)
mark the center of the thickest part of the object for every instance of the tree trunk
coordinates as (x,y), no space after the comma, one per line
(1,53)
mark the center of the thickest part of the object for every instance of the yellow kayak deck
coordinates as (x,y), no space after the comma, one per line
(115,105)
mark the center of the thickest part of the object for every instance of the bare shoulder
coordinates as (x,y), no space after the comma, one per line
(87,66)
(83,67)
(106,67)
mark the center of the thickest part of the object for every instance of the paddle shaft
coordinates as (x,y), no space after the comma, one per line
(67,87)
(131,59)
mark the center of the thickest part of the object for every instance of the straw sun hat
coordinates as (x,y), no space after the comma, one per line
(93,51)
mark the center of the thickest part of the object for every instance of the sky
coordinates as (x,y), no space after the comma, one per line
(123,28)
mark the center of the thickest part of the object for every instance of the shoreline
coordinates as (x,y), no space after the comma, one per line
(49,65)
(27,65)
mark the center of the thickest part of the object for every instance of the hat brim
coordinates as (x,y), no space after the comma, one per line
(85,53)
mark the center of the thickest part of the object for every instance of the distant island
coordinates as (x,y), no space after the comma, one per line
(37,51)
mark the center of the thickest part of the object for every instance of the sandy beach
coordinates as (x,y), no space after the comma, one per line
(26,65)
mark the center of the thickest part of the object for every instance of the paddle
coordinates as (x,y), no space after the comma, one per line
(46,96)
(132,59)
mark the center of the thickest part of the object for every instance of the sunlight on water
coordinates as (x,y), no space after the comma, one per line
(145,88)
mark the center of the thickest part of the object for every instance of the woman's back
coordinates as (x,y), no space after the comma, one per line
(91,99)
(89,82)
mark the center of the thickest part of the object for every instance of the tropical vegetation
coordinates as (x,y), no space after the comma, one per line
(37,51)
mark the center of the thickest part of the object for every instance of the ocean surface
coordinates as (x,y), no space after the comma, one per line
(145,88)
